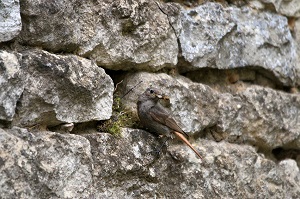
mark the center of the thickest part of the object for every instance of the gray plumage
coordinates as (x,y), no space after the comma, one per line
(154,116)
(157,118)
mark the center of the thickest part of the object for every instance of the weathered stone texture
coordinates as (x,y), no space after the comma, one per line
(44,165)
(83,91)
(117,34)
(260,116)
(289,8)
(11,84)
(233,81)
(297,38)
(98,165)
(225,38)
(10,19)
(53,89)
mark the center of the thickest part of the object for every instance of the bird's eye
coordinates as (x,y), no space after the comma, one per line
(151,91)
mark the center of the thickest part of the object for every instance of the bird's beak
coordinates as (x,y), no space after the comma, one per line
(159,96)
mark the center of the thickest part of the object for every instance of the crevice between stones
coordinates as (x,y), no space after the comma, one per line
(4,124)
(274,154)
(281,153)
(78,128)
(251,75)
(174,29)
(238,79)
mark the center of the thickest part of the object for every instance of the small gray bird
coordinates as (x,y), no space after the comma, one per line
(156,118)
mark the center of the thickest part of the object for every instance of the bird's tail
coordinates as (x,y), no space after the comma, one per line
(182,138)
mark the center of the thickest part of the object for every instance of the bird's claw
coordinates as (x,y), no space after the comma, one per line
(156,152)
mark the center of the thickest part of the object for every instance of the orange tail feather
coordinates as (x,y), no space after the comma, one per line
(182,138)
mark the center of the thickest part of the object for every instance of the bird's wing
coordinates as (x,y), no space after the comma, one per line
(161,116)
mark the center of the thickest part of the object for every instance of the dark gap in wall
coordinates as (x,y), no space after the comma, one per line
(7,45)
(270,7)
(116,75)
(291,24)
(277,154)
(85,127)
(282,153)
(236,80)
(195,3)
(75,128)
(211,133)
(216,134)
(238,3)
(187,3)
(4,124)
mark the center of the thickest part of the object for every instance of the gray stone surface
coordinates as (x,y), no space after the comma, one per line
(260,116)
(289,8)
(194,105)
(117,34)
(98,165)
(297,38)
(10,19)
(44,165)
(63,89)
(52,89)
(202,28)
(225,38)
(238,99)
(11,84)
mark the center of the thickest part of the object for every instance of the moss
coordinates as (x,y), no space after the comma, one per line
(120,118)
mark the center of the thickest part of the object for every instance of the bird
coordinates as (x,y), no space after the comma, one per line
(157,118)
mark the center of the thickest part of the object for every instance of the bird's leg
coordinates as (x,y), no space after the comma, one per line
(157,151)
(163,144)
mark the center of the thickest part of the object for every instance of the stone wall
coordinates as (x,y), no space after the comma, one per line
(231,69)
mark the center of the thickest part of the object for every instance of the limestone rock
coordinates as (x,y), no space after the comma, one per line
(194,105)
(226,38)
(238,98)
(53,89)
(202,28)
(44,165)
(11,84)
(259,116)
(83,92)
(98,165)
(296,30)
(289,8)
(117,34)
(10,19)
